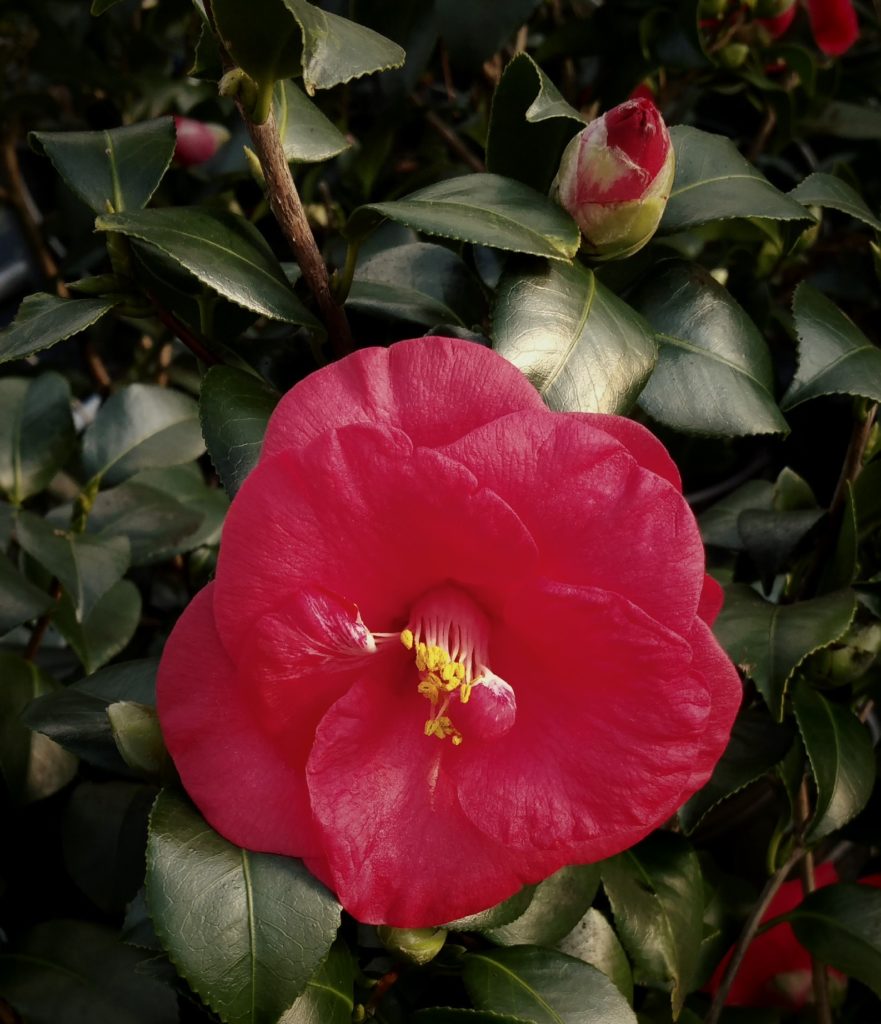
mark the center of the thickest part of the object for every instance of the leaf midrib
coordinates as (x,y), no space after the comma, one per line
(516,978)
(678,342)
(576,337)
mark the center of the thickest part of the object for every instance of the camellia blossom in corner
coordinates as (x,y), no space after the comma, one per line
(833,23)
(455,641)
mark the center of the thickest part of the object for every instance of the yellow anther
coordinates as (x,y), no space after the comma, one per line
(430,727)
(465,693)
(460,669)
(457,740)
(448,671)
(407,639)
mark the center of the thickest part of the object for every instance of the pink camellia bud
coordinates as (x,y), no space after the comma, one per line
(615,178)
(197,141)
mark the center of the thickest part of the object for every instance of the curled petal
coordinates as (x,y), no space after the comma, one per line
(834,25)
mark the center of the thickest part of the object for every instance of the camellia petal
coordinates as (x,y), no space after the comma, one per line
(834,25)
(434,389)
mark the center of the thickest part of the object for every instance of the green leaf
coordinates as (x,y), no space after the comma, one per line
(43,320)
(839,569)
(247,930)
(76,716)
(581,346)
(36,433)
(328,997)
(20,600)
(529,125)
(834,356)
(234,408)
(100,6)
(557,905)
(104,632)
(112,170)
(719,524)
(820,189)
(657,896)
(842,760)
(451,1015)
(140,427)
(306,134)
(757,744)
(845,121)
(485,209)
(502,913)
(474,31)
(594,941)
(418,283)
(87,567)
(769,641)
(103,840)
(138,738)
(336,50)
(714,182)
(841,926)
(71,972)
(31,765)
(543,986)
(714,373)
(224,251)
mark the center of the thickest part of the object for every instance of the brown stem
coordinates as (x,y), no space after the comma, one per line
(284,200)
(808,884)
(748,934)
(454,143)
(42,624)
(180,330)
(17,196)
(853,460)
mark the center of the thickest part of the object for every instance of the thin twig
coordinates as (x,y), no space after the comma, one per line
(853,460)
(748,934)
(454,143)
(284,200)
(180,330)
(808,883)
(42,624)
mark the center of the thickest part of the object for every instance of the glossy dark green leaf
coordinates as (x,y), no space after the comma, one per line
(502,913)
(719,523)
(113,170)
(714,182)
(839,568)
(456,1015)
(103,839)
(87,567)
(187,486)
(485,209)
(20,600)
(306,134)
(842,761)
(657,897)
(594,941)
(473,32)
(36,433)
(543,986)
(834,356)
(841,926)
(714,373)
(73,972)
(234,408)
(247,930)
(557,905)
(757,744)
(153,522)
(529,126)
(581,346)
(224,251)
(769,641)
(106,630)
(845,120)
(32,766)
(772,537)
(336,50)
(141,427)
(76,715)
(328,997)
(418,283)
(821,189)
(43,320)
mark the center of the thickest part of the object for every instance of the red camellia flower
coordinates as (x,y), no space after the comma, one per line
(615,178)
(455,642)
(197,141)
(776,970)
(833,24)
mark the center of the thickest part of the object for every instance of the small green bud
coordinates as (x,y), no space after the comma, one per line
(417,946)
(733,55)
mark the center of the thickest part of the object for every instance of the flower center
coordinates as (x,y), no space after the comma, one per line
(449,636)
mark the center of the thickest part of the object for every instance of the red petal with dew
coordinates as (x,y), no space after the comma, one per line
(834,25)
(598,518)
(399,849)
(363,514)
(611,718)
(434,389)
(249,788)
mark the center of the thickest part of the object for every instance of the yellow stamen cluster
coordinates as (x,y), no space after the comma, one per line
(440,677)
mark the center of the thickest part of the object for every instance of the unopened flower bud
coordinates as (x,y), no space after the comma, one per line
(197,141)
(615,179)
(416,945)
